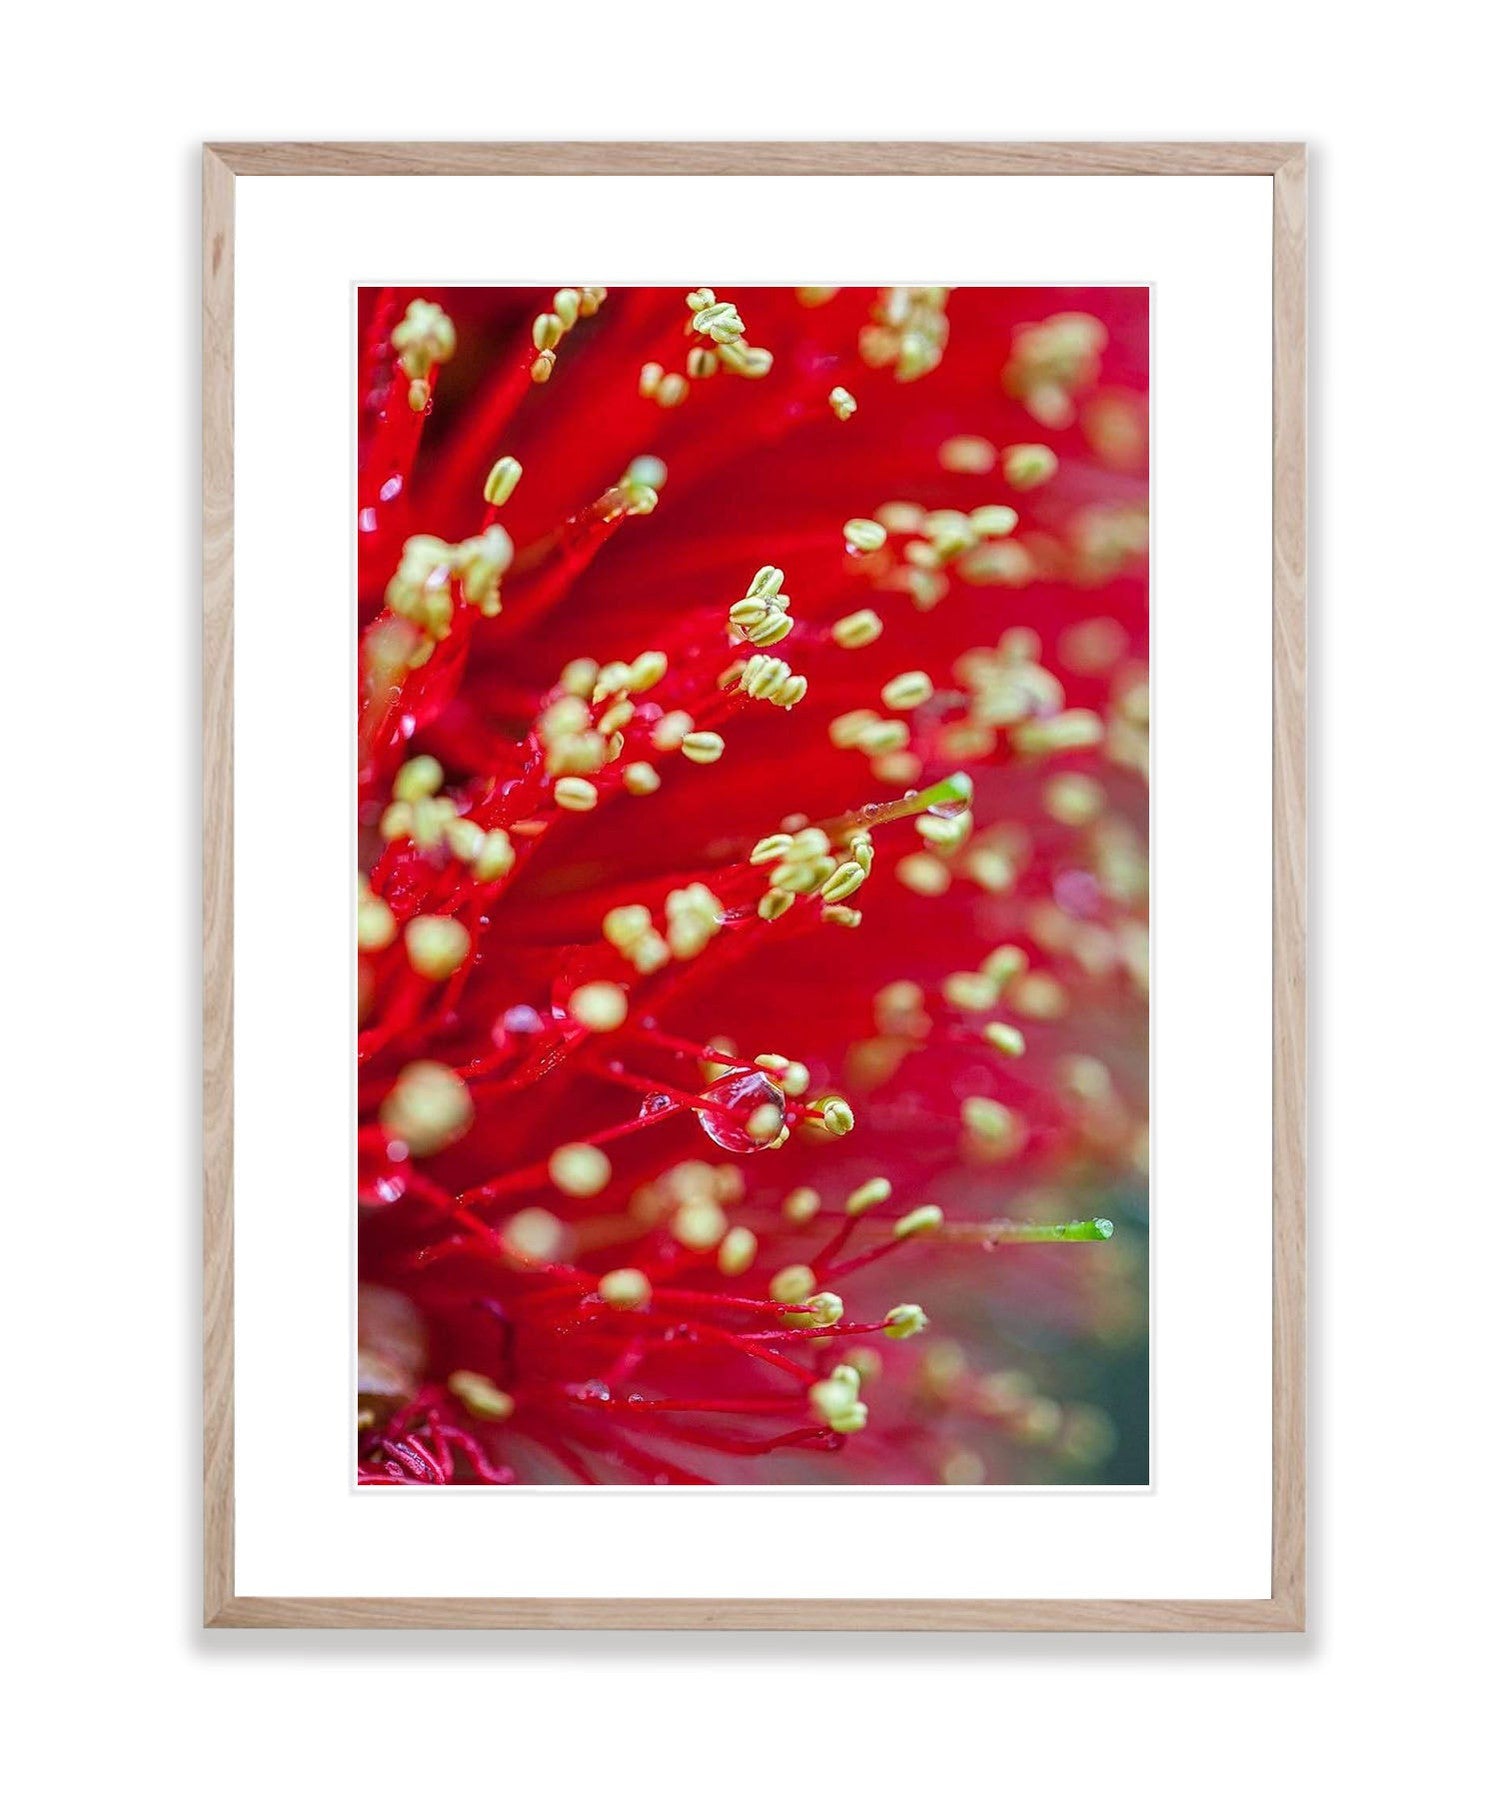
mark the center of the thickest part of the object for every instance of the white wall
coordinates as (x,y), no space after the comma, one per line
(102,119)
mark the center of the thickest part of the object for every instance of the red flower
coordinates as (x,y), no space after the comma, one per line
(752,928)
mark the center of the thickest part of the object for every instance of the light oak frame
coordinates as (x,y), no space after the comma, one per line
(1285,163)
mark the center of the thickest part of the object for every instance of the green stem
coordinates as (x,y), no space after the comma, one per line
(1011,1230)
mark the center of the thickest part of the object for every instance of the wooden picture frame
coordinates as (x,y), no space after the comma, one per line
(1284,1610)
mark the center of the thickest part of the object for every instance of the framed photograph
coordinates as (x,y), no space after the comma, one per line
(754,886)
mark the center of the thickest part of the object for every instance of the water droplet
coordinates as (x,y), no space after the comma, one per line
(656,1102)
(596,1390)
(522,1021)
(743,1096)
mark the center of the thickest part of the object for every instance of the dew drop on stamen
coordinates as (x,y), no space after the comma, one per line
(656,1102)
(949,808)
(737,1098)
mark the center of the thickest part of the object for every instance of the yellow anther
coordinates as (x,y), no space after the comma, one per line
(673,390)
(670,729)
(773,904)
(843,403)
(1074,730)
(567,303)
(970,992)
(904,517)
(534,1235)
(428,1108)
(599,1005)
(640,778)
(883,736)
(903,693)
(945,834)
(423,337)
(866,1197)
(801,1205)
(579,1169)
(616,717)
(802,876)
(836,1115)
(1074,799)
(650,380)
(815,296)
(436,946)
(833,1401)
(702,746)
(591,299)
(768,678)
(963,1468)
(645,471)
(546,330)
(1039,995)
(825,1309)
(541,369)
(626,1289)
(417,779)
(464,838)
(496,856)
(646,670)
(765,1123)
(905,1321)
(719,320)
(737,1252)
(743,359)
(919,1223)
(770,849)
(574,794)
(1029,465)
(773,627)
(579,676)
(926,588)
(699,1224)
(857,629)
(624,926)
(924,874)
(845,730)
(967,455)
(792,1285)
(863,535)
(1003,964)
(651,953)
(480,1396)
(991,1125)
(376,922)
(502,481)
(994,521)
(897,768)
(765,582)
(1005,1038)
(847,878)
(763,675)
(699,298)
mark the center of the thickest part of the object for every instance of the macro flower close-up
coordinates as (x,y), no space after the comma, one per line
(753,941)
